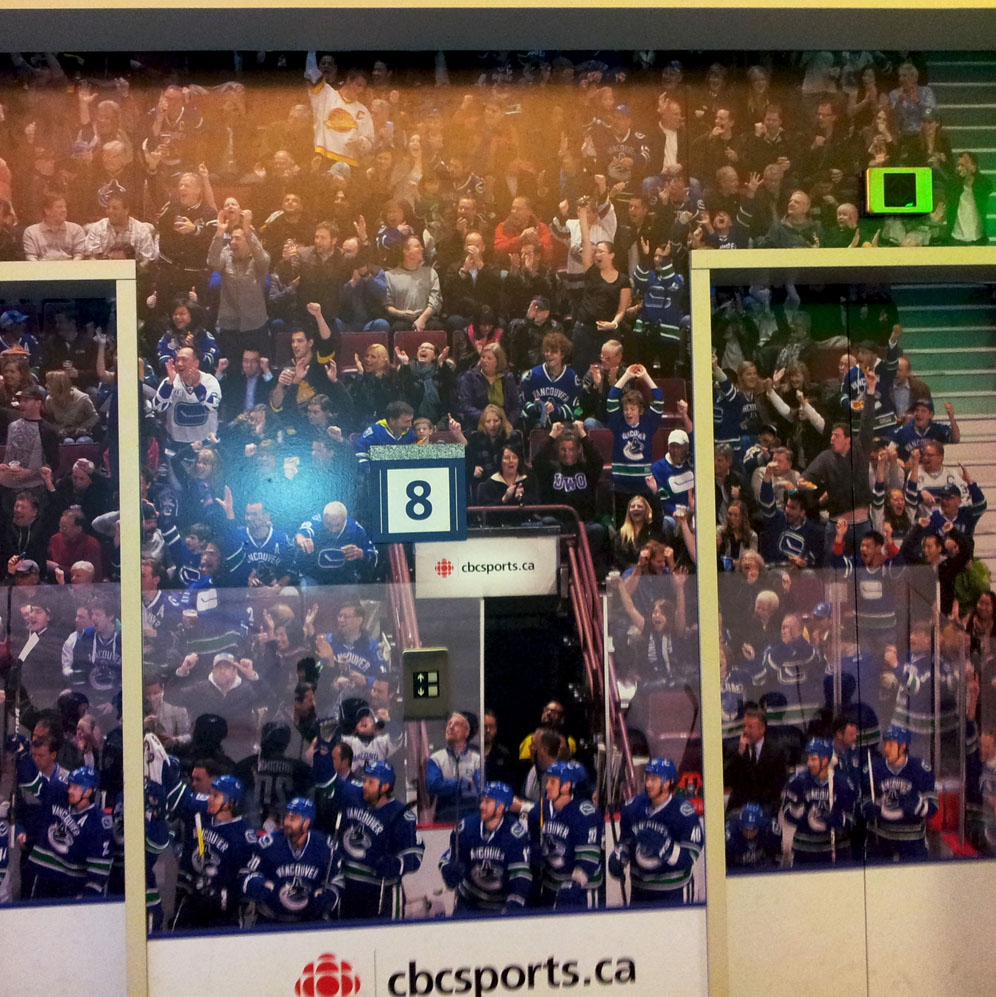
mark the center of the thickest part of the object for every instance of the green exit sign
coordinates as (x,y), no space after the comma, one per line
(426,683)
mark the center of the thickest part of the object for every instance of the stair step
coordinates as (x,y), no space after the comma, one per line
(947,384)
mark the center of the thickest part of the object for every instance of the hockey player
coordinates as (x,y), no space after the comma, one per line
(4,851)
(217,852)
(660,838)
(380,845)
(566,833)
(72,857)
(899,796)
(551,392)
(819,804)
(487,862)
(294,874)
(753,840)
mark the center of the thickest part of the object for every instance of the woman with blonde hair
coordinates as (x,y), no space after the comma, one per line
(485,445)
(489,383)
(637,530)
(68,409)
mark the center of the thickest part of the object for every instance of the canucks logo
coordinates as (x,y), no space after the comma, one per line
(206,867)
(650,846)
(295,895)
(554,852)
(60,837)
(633,450)
(356,842)
(487,876)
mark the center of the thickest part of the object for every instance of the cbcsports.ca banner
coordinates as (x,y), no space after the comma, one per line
(485,567)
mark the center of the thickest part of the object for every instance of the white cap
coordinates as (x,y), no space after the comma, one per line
(678,436)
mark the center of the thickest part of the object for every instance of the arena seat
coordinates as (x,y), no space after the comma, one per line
(356,344)
(69,453)
(408,341)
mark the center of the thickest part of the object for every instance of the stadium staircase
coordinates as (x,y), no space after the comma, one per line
(950,330)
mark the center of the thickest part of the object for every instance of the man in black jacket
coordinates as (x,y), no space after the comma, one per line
(755,771)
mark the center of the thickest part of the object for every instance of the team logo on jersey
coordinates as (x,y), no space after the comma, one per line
(633,450)
(486,876)
(651,846)
(295,895)
(60,837)
(356,842)
(325,977)
(340,120)
(444,568)
(554,852)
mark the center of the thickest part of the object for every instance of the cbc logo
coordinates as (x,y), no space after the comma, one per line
(327,978)
(444,568)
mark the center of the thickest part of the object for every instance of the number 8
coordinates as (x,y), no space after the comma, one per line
(419,507)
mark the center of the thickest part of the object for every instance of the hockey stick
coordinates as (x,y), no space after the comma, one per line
(615,783)
(833,831)
(390,824)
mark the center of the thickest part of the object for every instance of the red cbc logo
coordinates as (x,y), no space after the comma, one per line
(444,568)
(325,977)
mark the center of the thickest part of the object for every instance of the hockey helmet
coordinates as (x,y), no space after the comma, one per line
(569,771)
(229,787)
(84,777)
(500,792)
(898,734)
(662,767)
(383,772)
(751,817)
(303,807)
(819,746)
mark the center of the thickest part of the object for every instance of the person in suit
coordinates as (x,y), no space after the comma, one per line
(755,771)
(40,656)
(244,389)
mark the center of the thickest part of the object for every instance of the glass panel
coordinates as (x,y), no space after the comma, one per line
(854,595)
(61,836)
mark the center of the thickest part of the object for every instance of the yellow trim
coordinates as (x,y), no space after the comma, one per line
(130,491)
(707,584)
(322,151)
(744,266)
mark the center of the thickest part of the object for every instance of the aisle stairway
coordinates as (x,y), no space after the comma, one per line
(950,339)
(950,330)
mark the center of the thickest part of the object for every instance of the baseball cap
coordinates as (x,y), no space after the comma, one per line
(768,428)
(678,436)
(542,303)
(32,391)
(224,656)
(950,491)
(148,510)
(26,567)
(924,401)
(868,344)
(12,317)
(625,110)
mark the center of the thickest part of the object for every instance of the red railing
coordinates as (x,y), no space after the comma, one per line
(407,633)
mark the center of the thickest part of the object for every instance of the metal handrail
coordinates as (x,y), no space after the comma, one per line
(406,627)
(587,605)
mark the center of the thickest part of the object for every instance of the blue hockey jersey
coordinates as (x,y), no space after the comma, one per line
(292,886)
(489,869)
(660,844)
